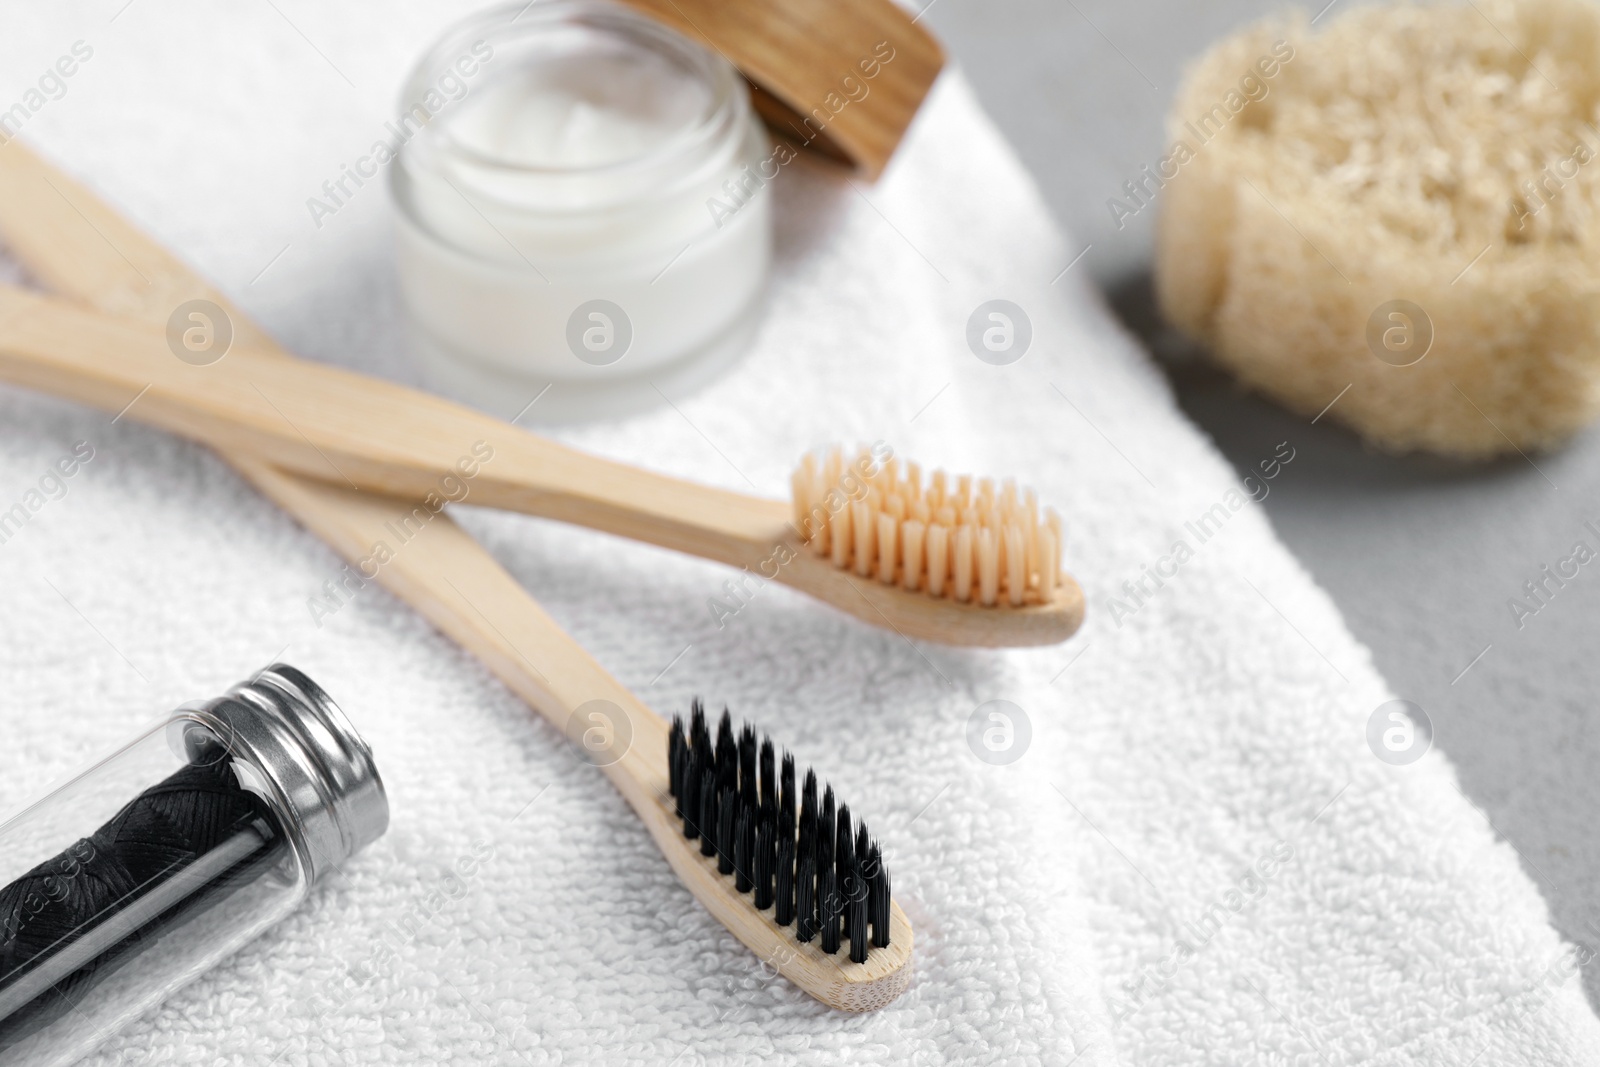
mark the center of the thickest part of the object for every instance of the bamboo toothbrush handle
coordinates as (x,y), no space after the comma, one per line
(368,434)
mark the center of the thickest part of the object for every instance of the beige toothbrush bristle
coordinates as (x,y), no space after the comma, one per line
(973,540)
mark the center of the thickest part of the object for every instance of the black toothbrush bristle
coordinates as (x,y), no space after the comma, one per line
(783,904)
(878,897)
(707,821)
(678,756)
(699,738)
(855,911)
(744,840)
(805,896)
(828,907)
(727,754)
(747,765)
(827,827)
(844,867)
(796,851)
(698,761)
(786,806)
(761,864)
(726,815)
(674,750)
(827,875)
(805,892)
(689,799)
(769,778)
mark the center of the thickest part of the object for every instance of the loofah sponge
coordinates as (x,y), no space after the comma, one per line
(1404,216)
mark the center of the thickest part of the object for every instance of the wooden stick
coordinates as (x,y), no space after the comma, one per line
(442,572)
(365,433)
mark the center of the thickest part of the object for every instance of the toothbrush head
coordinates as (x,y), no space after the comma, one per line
(964,539)
(801,865)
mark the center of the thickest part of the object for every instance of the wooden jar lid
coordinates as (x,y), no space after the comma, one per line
(843,77)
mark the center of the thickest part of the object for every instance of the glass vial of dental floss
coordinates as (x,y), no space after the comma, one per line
(588,215)
(168,854)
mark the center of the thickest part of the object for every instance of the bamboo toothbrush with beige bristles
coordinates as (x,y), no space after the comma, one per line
(952,561)
(971,542)
(77,245)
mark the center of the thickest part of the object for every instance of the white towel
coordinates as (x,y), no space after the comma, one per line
(1101,900)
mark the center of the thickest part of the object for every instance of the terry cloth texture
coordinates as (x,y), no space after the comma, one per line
(1195,858)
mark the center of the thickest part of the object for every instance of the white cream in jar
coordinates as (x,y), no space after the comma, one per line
(565,223)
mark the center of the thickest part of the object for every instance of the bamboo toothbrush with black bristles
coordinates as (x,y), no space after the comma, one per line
(77,245)
(957,561)
(660,770)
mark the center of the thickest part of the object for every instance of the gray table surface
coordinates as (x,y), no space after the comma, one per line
(1422,555)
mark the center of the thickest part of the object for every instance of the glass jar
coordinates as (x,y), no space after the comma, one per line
(168,854)
(581,203)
